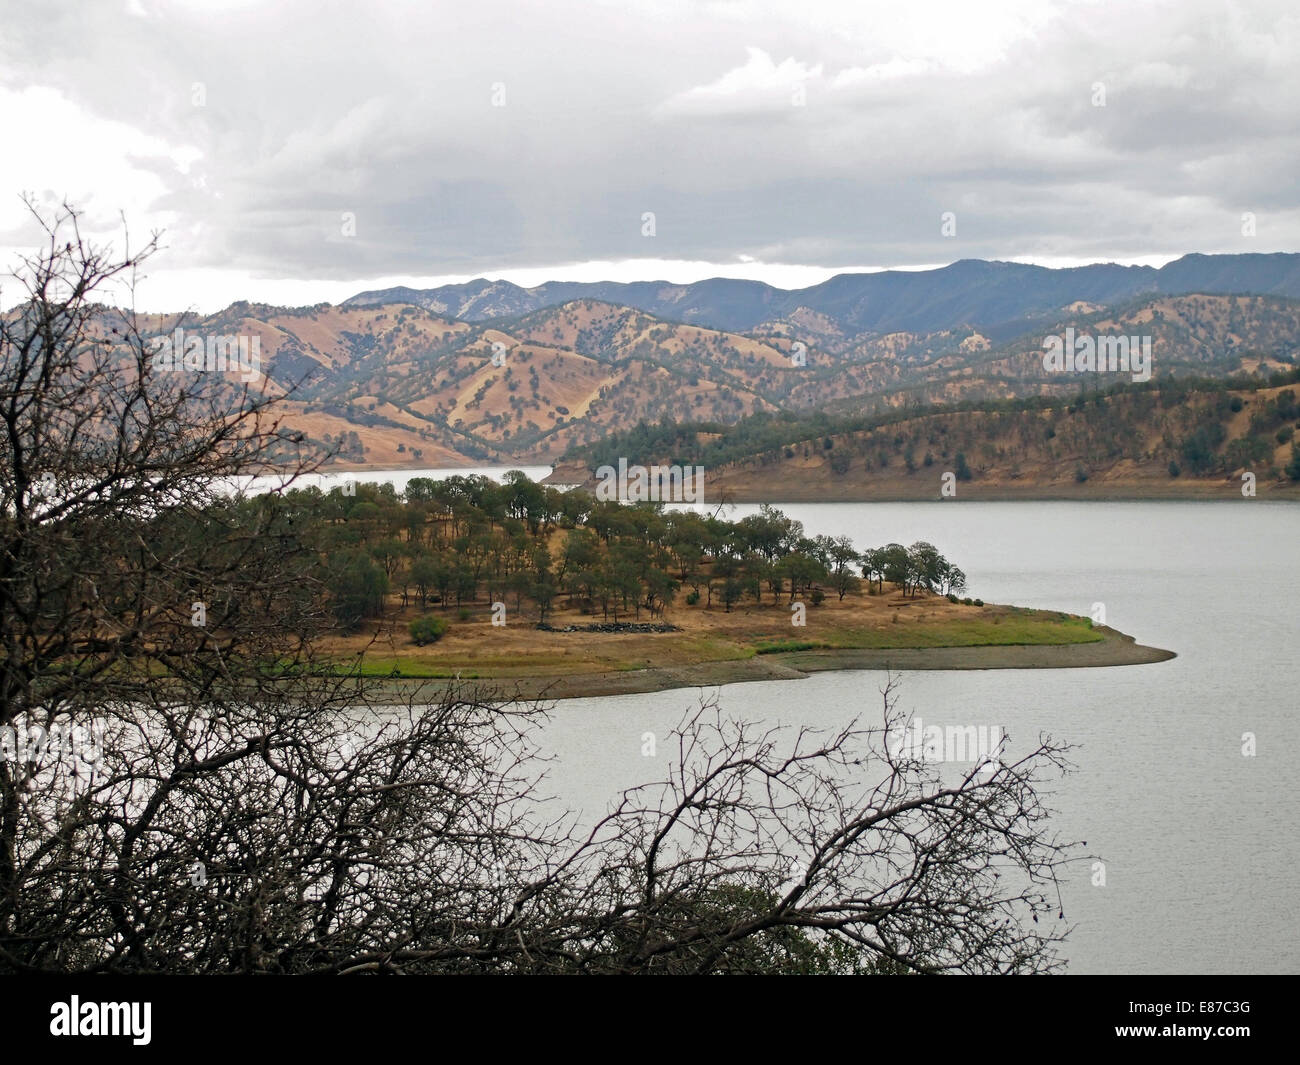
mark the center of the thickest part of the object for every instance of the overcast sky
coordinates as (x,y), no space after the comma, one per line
(528,140)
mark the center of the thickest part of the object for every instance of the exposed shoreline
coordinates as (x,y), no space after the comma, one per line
(1116,649)
(806,486)
(1190,492)
(815,485)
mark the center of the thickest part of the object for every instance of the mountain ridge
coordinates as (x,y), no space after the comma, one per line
(966,292)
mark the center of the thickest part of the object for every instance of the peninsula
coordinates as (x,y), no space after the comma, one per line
(555,593)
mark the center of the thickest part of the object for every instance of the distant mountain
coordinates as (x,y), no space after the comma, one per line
(720,303)
(474,373)
(994,297)
(400,384)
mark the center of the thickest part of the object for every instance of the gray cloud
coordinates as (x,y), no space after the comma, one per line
(687,110)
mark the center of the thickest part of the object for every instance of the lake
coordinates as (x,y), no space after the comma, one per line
(1199,842)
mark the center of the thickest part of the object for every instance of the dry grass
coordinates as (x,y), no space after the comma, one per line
(475,648)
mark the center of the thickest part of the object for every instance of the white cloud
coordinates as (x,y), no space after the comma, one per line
(897,67)
(58,149)
(758,84)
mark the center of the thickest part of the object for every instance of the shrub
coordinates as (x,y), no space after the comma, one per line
(1174,468)
(979,602)
(463,613)
(1293,467)
(1235,404)
(1284,434)
(1200,448)
(692,598)
(818,596)
(952,598)
(427,630)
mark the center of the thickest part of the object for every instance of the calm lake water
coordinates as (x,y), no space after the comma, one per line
(1199,841)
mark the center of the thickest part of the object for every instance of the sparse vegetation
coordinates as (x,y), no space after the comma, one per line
(427,630)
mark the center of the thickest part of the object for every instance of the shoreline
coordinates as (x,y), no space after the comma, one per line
(1115,649)
(813,485)
(801,490)
(1210,492)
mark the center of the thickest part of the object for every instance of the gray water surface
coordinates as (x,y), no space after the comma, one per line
(1199,842)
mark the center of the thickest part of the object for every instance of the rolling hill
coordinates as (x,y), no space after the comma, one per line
(477,373)
(1167,438)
